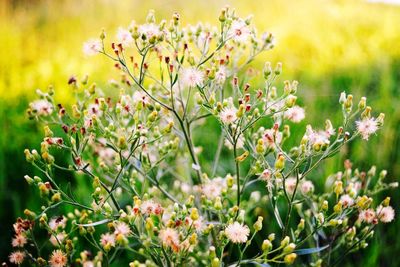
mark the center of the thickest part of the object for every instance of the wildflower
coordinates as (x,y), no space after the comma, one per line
(228,115)
(140,97)
(290,184)
(57,223)
(385,214)
(213,188)
(149,207)
(92,47)
(122,228)
(367,216)
(307,187)
(58,239)
(170,238)
(220,75)
(366,127)
(239,31)
(19,241)
(346,201)
(107,240)
(237,233)
(239,143)
(149,30)
(271,137)
(42,107)
(192,77)
(295,114)
(17,257)
(124,37)
(198,224)
(58,259)
(266,175)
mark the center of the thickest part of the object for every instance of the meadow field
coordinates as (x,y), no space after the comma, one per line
(329,46)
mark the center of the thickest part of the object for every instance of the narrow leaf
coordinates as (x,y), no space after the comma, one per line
(96,223)
(306,251)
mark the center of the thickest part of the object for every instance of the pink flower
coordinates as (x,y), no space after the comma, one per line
(42,107)
(124,37)
(213,188)
(237,233)
(19,241)
(149,207)
(107,239)
(58,259)
(295,114)
(17,257)
(192,77)
(239,31)
(170,238)
(271,137)
(92,47)
(346,201)
(228,115)
(122,228)
(366,127)
(149,30)
(307,187)
(367,216)
(385,214)
(290,184)
(266,175)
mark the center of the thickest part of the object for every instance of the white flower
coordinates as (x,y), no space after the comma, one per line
(124,37)
(228,115)
(192,77)
(17,257)
(295,114)
(198,224)
(170,238)
(140,97)
(366,127)
(307,187)
(58,259)
(149,30)
(42,107)
(239,31)
(367,216)
(385,214)
(346,201)
(237,233)
(92,47)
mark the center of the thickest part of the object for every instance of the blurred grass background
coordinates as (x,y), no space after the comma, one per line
(328,46)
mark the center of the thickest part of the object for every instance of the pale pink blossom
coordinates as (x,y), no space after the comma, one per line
(295,114)
(124,37)
(107,239)
(366,127)
(220,75)
(239,31)
(169,238)
(92,47)
(149,30)
(192,77)
(228,115)
(367,216)
(19,241)
(266,175)
(307,187)
(17,257)
(347,201)
(58,239)
(198,224)
(290,184)
(42,107)
(237,233)
(58,259)
(149,207)
(57,223)
(385,214)
(271,137)
(213,188)
(122,228)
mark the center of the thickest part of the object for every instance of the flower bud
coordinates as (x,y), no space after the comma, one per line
(289,248)
(342,98)
(362,104)
(194,214)
(290,258)
(278,68)
(267,70)
(290,101)
(280,162)
(266,245)
(258,224)
(215,262)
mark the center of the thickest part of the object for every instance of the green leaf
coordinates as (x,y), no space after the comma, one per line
(96,223)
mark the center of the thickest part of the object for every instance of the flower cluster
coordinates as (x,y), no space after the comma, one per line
(152,197)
